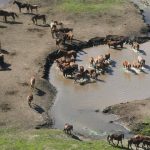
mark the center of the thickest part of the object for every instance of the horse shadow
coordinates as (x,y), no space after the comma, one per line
(99,80)
(5,67)
(147,67)
(134,72)
(109,71)
(37,108)
(40,92)
(3,51)
(142,52)
(75,137)
(1,26)
(82,52)
(44,25)
(29,13)
(14,22)
(113,63)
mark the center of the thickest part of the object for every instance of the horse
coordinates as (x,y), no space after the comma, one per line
(69,36)
(33,7)
(141,60)
(6,14)
(68,128)
(135,45)
(69,54)
(30,99)
(70,70)
(117,137)
(21,5)
(115,43)
(136,65)
(32,82)
(146,143)
(126,65)
(135,141)
(37,17)
(107,56)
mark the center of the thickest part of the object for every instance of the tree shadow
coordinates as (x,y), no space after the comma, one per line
(37,108)
(3,51)
(40,92)
(5,67)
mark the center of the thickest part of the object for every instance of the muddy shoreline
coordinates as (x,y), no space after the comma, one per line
(41,67)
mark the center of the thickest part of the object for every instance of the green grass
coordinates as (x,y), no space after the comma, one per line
(94,6)
(46,139)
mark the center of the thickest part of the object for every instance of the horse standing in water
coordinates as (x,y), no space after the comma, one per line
(21,5)
(39,17)
(117,137)
(6,14)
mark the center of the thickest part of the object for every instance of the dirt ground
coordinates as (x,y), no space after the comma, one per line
(28,45)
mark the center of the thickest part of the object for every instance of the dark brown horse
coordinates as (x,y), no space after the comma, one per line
(115,43)
(135,141)
(39,17)
(68,128)
(21,5)
(6,14)
(117,137)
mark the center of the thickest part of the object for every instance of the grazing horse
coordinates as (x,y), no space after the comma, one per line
(68,128)
(33,7)
(115,43)
(135,141)
(30,99)
(32,82)
(21,5)
(126,65)
(116,137)
(141,60)
(36,17)
(6,14)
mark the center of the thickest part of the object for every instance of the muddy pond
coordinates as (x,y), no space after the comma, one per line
(76,104)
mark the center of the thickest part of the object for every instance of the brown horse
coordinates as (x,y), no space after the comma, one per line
(146,143)
(6,14)
(69,36)
(136,65)
(39,17)
(135,141)
(126,65)
(69,54)
(141,60)
(21,5)
(68,128)
(115,43)
(117,137)
(33,7)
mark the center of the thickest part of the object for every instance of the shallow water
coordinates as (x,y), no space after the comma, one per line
(76,104)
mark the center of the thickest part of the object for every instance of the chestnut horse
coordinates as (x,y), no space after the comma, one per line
(126,65)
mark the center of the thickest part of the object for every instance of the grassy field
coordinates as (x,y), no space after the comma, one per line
(45,139)
(78,6)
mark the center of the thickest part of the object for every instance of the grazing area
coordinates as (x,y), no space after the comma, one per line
(38,37)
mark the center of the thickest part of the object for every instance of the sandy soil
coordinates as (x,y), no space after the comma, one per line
(28,45)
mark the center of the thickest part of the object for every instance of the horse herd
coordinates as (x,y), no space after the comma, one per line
(29,8)
(70,68)
(135,140)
